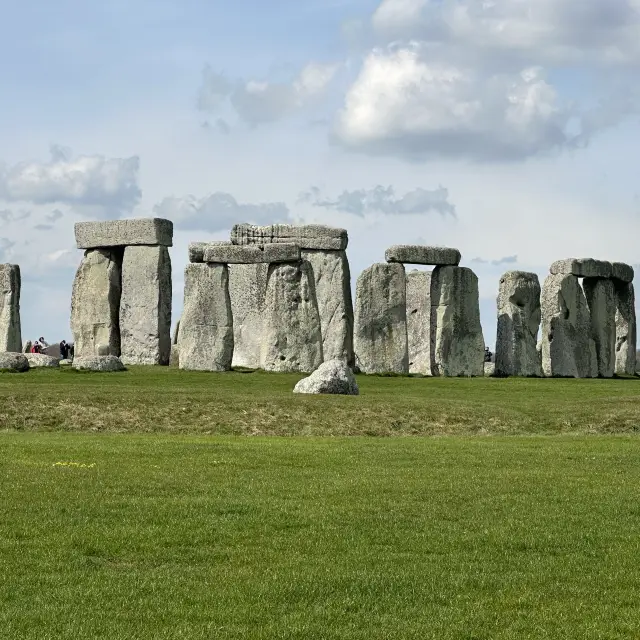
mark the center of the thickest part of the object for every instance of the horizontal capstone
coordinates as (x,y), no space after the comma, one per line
(622,271)
(309,236)
(116,233)
(196,249)
(252,254)
(421,254)
(582,267)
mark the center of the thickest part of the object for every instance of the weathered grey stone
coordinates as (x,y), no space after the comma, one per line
(53,350)
(421,254)
(457,344)
(419,321)
(582,267)
(626,328)
(333,290)
(95,302)
(174,356)
(309,236)
(622,271)
(41,360)
(65,362)
(14,362)
(103,350)
(145,306)
(601,300)
(333,376)
(10,332)
(206,326)
(489,369)
(518,325)
(292,338)
(98,363)
(121,233)
(247,289)
(196,249)
(252,254)
(568,349)
(27,347)
(380,326)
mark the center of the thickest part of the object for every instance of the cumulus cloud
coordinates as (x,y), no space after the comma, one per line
(8,215)
(384,200)
(96,186)
(498,262)
(528,31)
(258,102)
(218,212)
(5,246)
(404,104)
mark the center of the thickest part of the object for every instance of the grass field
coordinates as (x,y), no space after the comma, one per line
(172,533)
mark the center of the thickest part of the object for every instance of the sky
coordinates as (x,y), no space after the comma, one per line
(509,129)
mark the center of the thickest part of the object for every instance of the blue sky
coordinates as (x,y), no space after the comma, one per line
(508,129)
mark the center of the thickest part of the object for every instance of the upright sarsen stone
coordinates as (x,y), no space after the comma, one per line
(626,328)
(247,290)
(292,339)
(95,303)
(10,332)
(419,321)
(601,300)
(145,307)
(380,324)
(205,338)
(457,343)
(568,349)
(333,290)
(518,325)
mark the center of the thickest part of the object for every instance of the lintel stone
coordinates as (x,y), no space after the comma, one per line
(422,254)
(252,254)
(196,249)
(623,272)
(118,233)
(582,268)
(308,236)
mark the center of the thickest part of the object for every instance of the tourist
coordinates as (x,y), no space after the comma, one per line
(64,350)
(36,347)
(43,342)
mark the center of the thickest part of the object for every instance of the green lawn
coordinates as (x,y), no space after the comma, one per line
(172,533)
(163,399)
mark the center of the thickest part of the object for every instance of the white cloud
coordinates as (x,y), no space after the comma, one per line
(218,212)
(404,104)
(383,200)
(93,185)
(527,31)
(258,102)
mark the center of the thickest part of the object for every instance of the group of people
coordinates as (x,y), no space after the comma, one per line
(66,350)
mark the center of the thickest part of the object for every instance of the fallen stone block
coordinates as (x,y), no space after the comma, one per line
(309,236)
(380,326)
(419,321)
(13,362)
(333,290)
(292,338)
(196,249)
(582,268)
(420,254)
(568,350)
(122,233)
(98,363)
(623,272)
(601,300)
(626,328)
(206,326)
(237,254)
(145,306)
(457,343)
(331,377)
(95,302)
(10,331)
(41,360)
(518,325)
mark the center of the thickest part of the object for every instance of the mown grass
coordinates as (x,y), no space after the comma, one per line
(163,537)
(255,403)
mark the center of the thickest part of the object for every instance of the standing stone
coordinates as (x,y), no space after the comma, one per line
(457,343)
(292,339)
(10,332)
(27,346)
(518,325)
(247,290)
(380,326)
(568,349)
(419,321)
(145,306)
(206,325)
(626,328)
(333,290)
(601,300)
(95,302)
